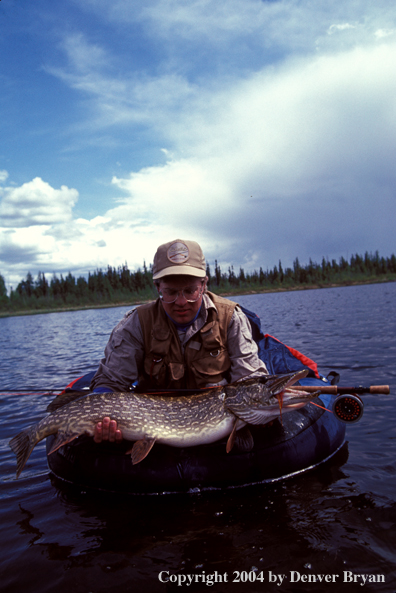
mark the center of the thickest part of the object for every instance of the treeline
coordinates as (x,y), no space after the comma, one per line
(359,268)
(120,285)
(111,286)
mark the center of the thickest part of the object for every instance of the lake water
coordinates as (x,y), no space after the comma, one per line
(339,519)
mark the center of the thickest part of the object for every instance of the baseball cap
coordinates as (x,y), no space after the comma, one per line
(179,257)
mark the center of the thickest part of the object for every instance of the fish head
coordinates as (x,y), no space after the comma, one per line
(257,401)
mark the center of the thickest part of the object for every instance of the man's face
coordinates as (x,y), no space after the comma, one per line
(181,310)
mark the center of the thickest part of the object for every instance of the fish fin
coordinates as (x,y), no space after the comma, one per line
(243,440)
(65,398)
(62,438)
(238,424)
(231,438)
(141,449)
(22,445)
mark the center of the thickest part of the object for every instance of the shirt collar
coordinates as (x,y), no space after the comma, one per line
(184,326)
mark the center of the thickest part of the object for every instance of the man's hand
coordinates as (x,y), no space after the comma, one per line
(107,431)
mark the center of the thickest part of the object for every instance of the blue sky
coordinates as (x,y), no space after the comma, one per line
(262,130)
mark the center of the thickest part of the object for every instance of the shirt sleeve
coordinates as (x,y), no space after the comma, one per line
(124,354)
(242,349)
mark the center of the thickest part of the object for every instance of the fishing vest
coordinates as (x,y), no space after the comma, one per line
(205,359)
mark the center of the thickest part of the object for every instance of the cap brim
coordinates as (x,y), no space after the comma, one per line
(180,271)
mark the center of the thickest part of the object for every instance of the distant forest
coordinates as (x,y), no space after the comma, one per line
(120,286)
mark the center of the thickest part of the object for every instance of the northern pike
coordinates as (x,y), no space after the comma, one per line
(179,421)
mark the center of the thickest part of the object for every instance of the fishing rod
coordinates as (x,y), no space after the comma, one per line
(330,389)
(348,406)
(45,391)
(335,390)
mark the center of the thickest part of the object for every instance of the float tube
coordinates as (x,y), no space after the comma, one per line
(300,441)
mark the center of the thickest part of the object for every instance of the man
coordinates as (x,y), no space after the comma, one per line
(187,338)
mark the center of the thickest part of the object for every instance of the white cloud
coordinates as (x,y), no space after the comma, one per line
(382,33)
(3,176)
(36,203)
(341,27)
(84,56)
(130,100)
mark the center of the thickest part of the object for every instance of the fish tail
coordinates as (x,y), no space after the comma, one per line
(22,445)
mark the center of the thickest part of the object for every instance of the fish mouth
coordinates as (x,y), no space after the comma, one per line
(292,398)
(280,384)
(277,383)
(282,389)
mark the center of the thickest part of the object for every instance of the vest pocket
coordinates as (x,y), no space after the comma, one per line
(213,366)
(176,371)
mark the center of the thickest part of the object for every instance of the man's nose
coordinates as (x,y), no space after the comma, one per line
(181,299)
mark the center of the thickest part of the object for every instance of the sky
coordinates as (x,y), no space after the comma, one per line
(264,130)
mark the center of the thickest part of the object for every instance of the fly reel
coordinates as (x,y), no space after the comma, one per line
(348,408)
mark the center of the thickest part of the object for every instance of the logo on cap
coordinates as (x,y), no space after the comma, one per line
(178,253)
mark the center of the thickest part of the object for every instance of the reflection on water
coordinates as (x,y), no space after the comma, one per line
(340,517)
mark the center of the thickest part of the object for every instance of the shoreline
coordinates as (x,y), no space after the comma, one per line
(225,293)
